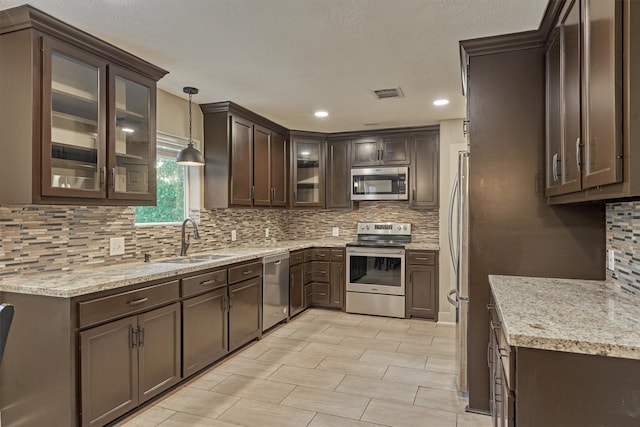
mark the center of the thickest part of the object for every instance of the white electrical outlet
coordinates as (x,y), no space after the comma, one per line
(233,235)
(116,246)
(611,260)
(335,231)
(266,232)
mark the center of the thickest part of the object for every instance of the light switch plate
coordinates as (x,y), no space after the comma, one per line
(116,246)
(611,260)
(233,235)
(335,231)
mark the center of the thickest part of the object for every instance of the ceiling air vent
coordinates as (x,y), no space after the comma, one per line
(388,93)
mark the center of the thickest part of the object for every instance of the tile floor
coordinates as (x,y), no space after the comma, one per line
(326,368)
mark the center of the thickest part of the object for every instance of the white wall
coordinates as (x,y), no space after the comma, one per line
(452,140)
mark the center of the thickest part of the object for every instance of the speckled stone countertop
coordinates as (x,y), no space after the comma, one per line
(577,316)
(68,284)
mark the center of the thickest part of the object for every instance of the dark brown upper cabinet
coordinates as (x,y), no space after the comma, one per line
(338,194)
(246,158)
(90,120)
(590,61)
(269,168)
(307,170)
(381,150)
(424,170)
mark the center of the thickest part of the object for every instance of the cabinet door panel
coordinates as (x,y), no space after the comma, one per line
(394,150)
(337,283)
(553,131)
(131,170)
(603,94)
(108,371)
(204,330)
(159,350)
(278,170)
(366,152)
(421,292)
(296,289)
(245,312)
(307,177)
(339,174)
(424,180)
(569,172)
(74,93)
(261,166)
(241,162)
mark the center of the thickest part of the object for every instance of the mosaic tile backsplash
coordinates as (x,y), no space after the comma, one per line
(56,238)
(623,236)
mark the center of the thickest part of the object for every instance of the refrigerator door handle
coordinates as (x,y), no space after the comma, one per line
(452,249)
(453,302)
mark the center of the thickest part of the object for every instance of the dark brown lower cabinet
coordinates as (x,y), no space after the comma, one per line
(205,337)
(422,285)
(126,362)
(245,312)
(337,278)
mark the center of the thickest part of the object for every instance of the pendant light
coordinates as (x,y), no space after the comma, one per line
(190,156)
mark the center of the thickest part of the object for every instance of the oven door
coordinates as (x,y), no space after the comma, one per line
(375,270)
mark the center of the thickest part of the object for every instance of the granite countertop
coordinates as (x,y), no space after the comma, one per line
(91,279)
(577,316)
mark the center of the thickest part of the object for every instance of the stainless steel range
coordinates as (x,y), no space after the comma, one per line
(375,269)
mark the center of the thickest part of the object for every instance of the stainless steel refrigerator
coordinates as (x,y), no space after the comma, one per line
(459,247)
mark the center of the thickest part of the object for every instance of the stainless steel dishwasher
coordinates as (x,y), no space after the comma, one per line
(275,289)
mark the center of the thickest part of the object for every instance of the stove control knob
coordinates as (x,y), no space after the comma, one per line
(367,227)
(404,227)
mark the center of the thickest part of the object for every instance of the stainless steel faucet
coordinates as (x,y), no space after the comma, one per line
(185,241)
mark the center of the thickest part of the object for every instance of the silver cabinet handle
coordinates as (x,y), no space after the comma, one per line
(578,153)
(208,282)
(113,178)
(247,272)
(103,177)
(141,342)
(554,167)
(489,352)
(138,301)
(134,337)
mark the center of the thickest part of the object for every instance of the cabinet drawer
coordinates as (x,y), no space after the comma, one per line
(308,255)
(320,271)
(244,272)
(110,307)
(320,254)
(421,258)
(320,293)
(337,255)
(296,257)
(203,282)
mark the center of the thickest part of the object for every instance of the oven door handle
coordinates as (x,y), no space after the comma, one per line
(375,252)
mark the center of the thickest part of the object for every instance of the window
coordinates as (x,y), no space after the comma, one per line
(172,185)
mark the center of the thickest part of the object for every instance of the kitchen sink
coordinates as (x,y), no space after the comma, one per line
(194,259)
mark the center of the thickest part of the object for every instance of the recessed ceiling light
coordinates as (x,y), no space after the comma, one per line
(440,102)
(127,130)
(321,114)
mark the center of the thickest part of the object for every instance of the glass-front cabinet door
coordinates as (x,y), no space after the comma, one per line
(308,172)
(131,142)
(73,122)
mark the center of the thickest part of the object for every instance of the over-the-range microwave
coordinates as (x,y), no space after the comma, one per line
(381,183)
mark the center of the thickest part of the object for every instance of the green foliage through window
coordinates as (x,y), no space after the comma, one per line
(170,190)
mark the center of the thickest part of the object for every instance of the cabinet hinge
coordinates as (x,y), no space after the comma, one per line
(465,127)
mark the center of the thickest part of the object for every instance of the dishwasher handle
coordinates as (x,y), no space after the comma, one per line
(6,317)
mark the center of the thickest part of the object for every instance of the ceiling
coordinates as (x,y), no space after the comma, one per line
(285,59)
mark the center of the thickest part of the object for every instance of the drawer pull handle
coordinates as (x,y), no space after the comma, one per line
(134,337)
(208,282)
(247,272)
(422,258)
(494,325)
(138,301)
(141,337)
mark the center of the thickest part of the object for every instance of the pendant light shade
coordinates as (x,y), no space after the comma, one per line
(190,156)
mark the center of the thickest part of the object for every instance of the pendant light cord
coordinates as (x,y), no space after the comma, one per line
(190,139)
